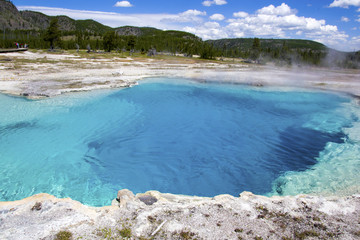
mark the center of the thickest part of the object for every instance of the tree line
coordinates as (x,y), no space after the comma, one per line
(286,52)
(174,42)
(279,53)
(164,41)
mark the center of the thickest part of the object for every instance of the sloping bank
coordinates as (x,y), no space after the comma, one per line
(156,215)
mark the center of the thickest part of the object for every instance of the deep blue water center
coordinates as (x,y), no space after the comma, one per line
(168,135)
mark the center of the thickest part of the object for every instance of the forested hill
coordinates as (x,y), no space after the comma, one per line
(247,43)
(13,20)
(30,27)
(152,32)
(285,51)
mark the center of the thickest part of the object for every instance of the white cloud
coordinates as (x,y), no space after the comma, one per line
(273,22)
(217,17)
(345,3)
(216,2)
(353,44)
(191,15)
(356,39)
(211,25)
(345,19)
(123,4)
(282,22)
(282,10)
(193,12)
(207,3)
(240,14)
(209,30)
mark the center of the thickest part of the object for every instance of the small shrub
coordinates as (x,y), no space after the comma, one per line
(106,233)
(151,219)
(304,235)
(125,232)
(320,226)
(37,206)
(186,235)
(63,235)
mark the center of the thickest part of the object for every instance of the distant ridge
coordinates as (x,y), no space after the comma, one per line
(247,43)
(13,19)
(153,32)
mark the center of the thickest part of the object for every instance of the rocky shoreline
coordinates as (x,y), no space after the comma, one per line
(155,215)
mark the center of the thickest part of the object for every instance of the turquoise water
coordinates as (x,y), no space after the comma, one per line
(180,137)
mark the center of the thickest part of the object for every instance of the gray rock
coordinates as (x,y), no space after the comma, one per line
(148,200)
(124,196)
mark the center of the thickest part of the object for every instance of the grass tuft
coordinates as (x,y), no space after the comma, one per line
(125,232)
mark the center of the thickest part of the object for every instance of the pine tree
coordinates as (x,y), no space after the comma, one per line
(53,33)
(131,43)
(255,53)
(109,41)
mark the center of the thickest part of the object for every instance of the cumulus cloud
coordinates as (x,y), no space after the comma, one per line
(217,17)
(216,2)
(356,39)
(285,24)
(282,10)
(353,44)
(274,22)
(191,15)
(345,3)
(240,14)
(280,21)
(345,19)
(123,4)
(209,30)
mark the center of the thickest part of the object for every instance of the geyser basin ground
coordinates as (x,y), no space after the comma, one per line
(180,137)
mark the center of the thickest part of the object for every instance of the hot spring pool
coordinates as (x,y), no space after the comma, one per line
(181,137)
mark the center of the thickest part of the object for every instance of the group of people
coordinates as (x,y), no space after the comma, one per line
(21,45)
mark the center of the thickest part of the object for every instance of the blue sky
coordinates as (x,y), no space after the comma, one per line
(335,23)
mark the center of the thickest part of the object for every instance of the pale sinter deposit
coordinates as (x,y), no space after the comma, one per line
(155,215)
